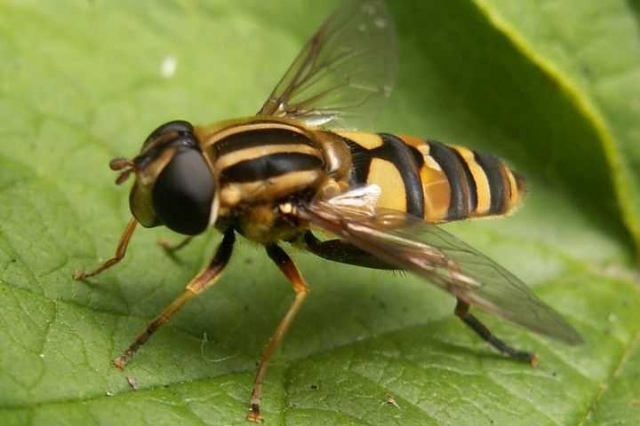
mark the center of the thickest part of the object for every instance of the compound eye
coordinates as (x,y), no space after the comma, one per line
(183,193)
(178,126)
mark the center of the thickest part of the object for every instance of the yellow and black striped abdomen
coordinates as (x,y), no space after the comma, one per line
(431,180)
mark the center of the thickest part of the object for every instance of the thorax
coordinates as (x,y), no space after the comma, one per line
(260,163)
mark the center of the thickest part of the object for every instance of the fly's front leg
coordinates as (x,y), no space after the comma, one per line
(170,247)
(120,252)
(462,312)
(205,279)
(290,270)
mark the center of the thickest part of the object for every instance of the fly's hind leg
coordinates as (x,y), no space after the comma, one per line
(339,251)
(204,280)
(462,312)
(290,270)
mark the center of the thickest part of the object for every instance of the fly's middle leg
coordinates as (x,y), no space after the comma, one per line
(289,269)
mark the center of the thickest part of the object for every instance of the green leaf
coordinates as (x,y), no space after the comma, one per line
(550,86)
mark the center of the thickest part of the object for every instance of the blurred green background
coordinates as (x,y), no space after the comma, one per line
(551,86)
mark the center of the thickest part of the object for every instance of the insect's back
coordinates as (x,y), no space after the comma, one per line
(260,162)
(431,180)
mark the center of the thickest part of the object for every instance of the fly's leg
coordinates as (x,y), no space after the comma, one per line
(339,251)
(120,252)
(205,279)
(170,247)
(462,312)
(290,270)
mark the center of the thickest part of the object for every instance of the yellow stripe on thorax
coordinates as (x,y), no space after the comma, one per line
(234,157)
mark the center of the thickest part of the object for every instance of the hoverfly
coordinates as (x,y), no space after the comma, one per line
(282,174)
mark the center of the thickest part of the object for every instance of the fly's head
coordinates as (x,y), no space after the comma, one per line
(174,183)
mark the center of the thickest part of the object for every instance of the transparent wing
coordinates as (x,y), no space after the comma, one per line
(344,72)
(442,259)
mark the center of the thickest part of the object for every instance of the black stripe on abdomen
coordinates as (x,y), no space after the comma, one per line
(497,189)
(408,162)
(472,187)
(451,165)
(361,162)
(269,166)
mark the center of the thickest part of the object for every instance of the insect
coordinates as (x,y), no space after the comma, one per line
(289,171)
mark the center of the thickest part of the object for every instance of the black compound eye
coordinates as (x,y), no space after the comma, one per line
(183,193)
(179,126)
